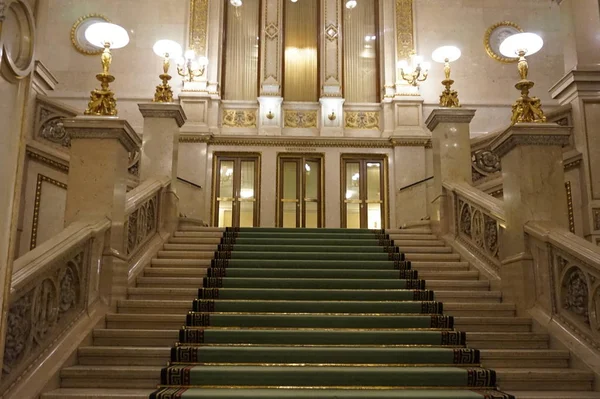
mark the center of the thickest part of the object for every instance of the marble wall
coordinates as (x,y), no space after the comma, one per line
(482,82)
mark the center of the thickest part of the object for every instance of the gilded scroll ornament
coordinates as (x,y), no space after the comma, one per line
(300,119)
(198,26)
(362,120)
(405,45)
(239,118)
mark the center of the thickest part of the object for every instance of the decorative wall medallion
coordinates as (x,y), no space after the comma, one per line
(405,44)
(239,118)
(596,213)
(272,31)
(198,26)
(495,35)
(485,162)
(78,39)
(300,119)
(54,131)
(134,163)
(17,40)
(332,32)
(362,120)
(575,294)
(37,203)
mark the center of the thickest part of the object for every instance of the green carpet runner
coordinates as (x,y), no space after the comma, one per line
(319,313)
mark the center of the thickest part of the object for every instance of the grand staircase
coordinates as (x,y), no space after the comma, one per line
(320,314)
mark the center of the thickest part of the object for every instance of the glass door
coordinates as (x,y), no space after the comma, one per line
(235,201)
(364,193)
(300,191)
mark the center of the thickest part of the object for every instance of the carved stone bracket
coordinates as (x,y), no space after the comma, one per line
(49,127)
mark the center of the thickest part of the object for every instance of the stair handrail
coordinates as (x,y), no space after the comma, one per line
(53,287)
(567,288)
(475,221)
(143,214)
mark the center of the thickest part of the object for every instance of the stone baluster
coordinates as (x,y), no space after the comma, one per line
(97,181)
(160,153)
(533,179)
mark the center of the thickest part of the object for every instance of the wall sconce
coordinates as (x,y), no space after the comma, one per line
(416,72)
(526,109)
(270,115)
(446,55)
(105,35)
(332,116)
(165,49)
(190,69)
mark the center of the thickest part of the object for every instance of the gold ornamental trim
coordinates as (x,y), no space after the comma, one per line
(36,205)
(570,207)
(405,41)
(300,119)
(488,46)
(198,26)
(306,144)
(239,118)
(79,21)
(361,120)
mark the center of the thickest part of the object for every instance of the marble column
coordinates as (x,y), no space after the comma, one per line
(97,181)
(533,180)
(451,140)
(160,154)
(580,87)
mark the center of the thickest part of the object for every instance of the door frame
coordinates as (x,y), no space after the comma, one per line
(304,155)
(384,159)
(214,185)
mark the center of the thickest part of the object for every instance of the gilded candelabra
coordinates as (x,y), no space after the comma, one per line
(105,35)
(449,97)
(418,74)
(102,101)
(190,69)
(164,93)
(526,109)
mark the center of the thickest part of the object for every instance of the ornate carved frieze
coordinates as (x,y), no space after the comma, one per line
(40,311)
(361,120)
(405,44)
(239,118)
(596,215)
(37,203)
(300,119)
(142,223)
(504,144)
(198,26)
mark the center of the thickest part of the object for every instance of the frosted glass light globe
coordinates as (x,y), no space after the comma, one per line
(164,47)
(350,4)
(528,42)
(451,53)
(104,32)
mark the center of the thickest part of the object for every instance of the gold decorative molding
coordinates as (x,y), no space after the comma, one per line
(570,207)
(490,47)
(361,120)
(332,32)
(63,167)
(272,31)
(239,118)
(76,26)
(36,205)
(198,26)
(300,119)
(405,41)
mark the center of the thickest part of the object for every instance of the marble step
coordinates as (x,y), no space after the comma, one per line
(158,321)
(190,227)
(198,234)
(183,306)
(196,282)
(91,393)
(424,249)
(410,235)
(507,340)
(534,379)
(175,263)
(162,338)
(95,393)
(403,248)
(157,356)
(201,272)
(135,337)
(140,293)
(194,240)
(82,376)
(190,247)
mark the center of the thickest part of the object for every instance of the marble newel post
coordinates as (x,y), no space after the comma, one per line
(97,181)
(451,153)
(534,189)
(160,153)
